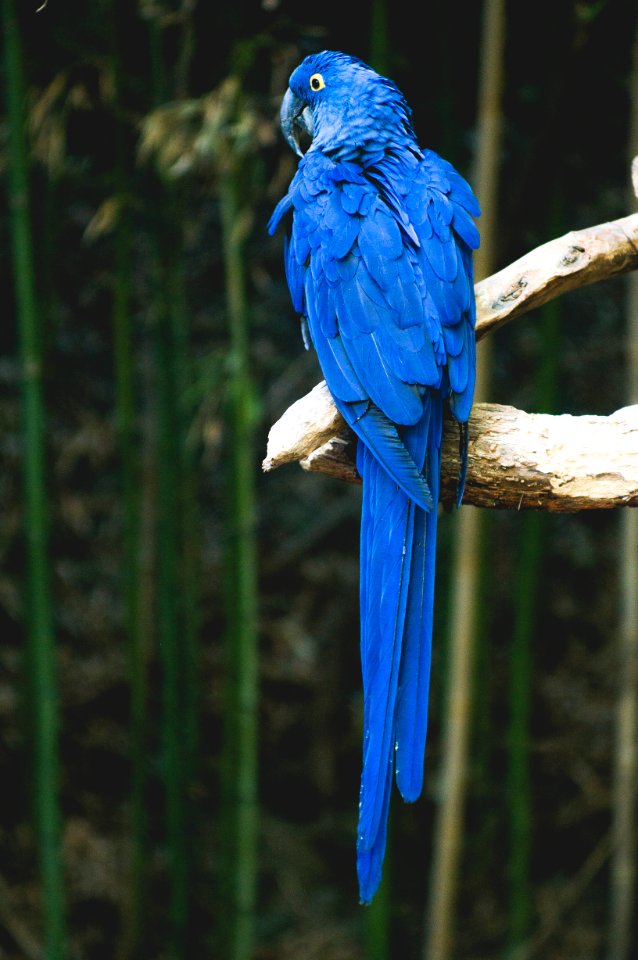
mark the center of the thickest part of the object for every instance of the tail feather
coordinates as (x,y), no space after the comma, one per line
(414,676)
(386,541)
(370,855)
(398,541)
(382,438)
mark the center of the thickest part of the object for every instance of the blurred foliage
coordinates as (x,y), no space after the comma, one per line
(134,112)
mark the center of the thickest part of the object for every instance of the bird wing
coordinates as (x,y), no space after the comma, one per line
(382,271)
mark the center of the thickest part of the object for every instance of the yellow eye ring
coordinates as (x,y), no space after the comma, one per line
(316,82)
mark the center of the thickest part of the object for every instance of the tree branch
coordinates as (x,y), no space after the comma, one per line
(516,460)
(574,260)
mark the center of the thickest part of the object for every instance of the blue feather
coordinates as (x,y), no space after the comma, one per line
(381,438)
(387,525)
(400,401)
(357,313)
(414,678)
(380,262)
(454,338)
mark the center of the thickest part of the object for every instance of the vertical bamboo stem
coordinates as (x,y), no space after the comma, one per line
(37,598)
(189,540)
(177,617)
(168,609)
(528,578)
(177,601)
(519,690)
(136,892)
(469,531)
(131,577)
(377,937)
(623,865)
(240,767)
(519,693)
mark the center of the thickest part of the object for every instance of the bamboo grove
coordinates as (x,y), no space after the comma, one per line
(179,687)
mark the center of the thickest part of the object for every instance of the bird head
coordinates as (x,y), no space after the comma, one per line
(341,104)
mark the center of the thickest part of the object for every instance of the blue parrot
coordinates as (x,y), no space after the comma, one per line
(378,260)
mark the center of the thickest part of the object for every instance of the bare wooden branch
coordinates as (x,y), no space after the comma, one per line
(517,460)
(310,422)
(574,260)
(560,463)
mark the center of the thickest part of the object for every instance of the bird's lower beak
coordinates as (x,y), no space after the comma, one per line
(296,121)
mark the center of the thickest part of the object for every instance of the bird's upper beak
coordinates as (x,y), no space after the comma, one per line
(296,120)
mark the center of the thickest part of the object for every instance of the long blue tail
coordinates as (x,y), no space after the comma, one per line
(398,552)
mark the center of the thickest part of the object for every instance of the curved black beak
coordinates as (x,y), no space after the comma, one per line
(296,121)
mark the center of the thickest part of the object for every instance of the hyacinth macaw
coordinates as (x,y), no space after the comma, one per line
(378,259)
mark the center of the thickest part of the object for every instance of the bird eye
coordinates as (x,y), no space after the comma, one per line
(317,82)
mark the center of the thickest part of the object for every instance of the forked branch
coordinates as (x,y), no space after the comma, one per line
(516,460)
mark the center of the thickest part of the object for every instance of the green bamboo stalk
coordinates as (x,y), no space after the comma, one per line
(470,531)
(378,927)
(169,577)
(37,599)
(123,350)
(190,540)
(190,519)
(168,610)
(176,555)
(125,417)
(239,817)
(135,895)
(177,576)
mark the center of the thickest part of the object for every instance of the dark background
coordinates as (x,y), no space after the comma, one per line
(93,72)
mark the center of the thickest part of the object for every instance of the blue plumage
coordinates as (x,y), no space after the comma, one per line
(379,264)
